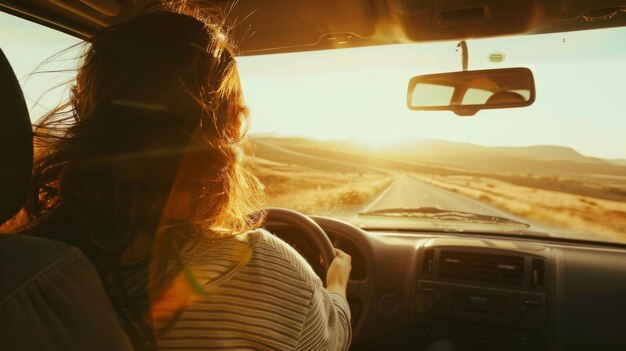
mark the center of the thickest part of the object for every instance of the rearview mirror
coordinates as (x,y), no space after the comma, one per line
(467,92)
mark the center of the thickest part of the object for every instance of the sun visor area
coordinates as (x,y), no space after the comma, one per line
(282,26)
(454,19)
(299,24)
(79,18)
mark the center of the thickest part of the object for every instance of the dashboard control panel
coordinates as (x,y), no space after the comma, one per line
(470,291)
(475,303)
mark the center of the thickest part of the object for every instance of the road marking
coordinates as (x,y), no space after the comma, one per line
(377,199)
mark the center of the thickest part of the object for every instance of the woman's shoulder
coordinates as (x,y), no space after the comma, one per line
(255,251)
(270,247)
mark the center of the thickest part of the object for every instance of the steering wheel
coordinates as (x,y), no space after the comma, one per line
(313,233)
(360,289)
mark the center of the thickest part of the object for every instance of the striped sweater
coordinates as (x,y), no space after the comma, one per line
(248,292)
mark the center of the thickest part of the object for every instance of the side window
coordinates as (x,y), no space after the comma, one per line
(44,61)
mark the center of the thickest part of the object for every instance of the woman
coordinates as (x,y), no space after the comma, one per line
(142,170)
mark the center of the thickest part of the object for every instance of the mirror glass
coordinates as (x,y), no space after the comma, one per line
(467,92)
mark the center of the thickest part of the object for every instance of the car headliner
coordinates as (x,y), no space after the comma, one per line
(279,26)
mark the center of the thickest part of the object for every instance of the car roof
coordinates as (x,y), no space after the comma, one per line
(280,26)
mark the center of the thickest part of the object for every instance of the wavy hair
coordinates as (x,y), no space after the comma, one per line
(151,138)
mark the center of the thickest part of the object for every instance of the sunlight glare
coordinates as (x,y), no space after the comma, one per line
(378,141)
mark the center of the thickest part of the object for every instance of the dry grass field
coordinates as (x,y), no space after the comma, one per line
(545,184)
(315,191)
(556,207)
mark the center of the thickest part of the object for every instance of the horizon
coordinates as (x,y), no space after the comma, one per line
(356,142)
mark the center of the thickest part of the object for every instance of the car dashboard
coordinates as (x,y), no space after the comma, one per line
(478,292)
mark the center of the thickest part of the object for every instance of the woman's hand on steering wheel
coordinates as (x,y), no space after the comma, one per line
(338,273)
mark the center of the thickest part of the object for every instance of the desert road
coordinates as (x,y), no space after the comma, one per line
(406,191)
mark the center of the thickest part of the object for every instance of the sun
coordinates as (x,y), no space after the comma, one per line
(378,142)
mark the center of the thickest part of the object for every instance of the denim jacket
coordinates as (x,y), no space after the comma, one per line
(51,298)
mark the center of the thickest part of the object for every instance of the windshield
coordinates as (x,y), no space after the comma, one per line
(332,135)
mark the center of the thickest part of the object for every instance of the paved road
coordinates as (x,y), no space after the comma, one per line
(406,191)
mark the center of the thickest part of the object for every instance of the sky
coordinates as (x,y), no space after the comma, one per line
(359,94)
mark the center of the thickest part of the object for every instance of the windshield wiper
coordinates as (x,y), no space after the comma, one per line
(436,213)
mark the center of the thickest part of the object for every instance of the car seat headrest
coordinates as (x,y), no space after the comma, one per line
(505,97)
(16,143)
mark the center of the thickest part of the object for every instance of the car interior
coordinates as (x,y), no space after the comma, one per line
(410,286)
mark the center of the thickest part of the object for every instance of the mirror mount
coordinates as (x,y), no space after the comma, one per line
(465,111)
(464,54)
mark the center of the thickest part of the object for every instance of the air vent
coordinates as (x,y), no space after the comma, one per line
(469,14)
(463,17)
(427,263)
(538,273)
(481,268)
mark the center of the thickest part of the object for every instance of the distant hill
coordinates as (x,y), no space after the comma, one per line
(619,162)
(272,150)
(431,148)
(339,145)
(435,148)
(544,152)
(442,156)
